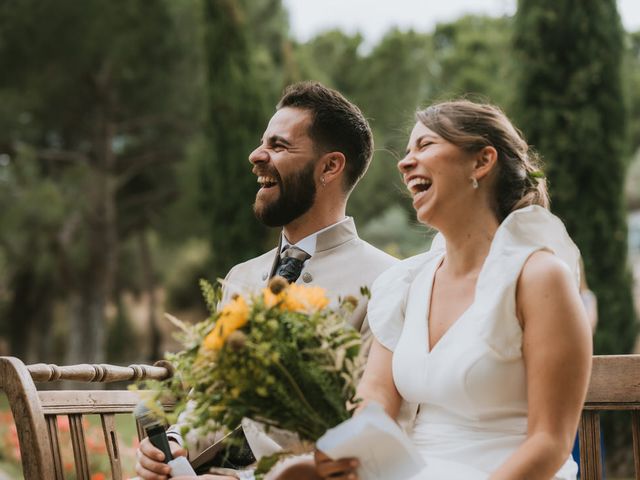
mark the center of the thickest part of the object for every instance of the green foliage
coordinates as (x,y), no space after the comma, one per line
(472,58)
(632,85)
(93,107)
(241,92)
(122,342)
(572,110)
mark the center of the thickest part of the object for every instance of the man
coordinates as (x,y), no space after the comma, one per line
(315,149)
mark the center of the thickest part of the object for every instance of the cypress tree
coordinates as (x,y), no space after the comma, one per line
(572,110)
(239,106)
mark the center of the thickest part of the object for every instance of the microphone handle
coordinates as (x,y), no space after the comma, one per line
(158,438)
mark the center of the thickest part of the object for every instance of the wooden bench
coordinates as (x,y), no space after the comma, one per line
(36,412)
(614,385)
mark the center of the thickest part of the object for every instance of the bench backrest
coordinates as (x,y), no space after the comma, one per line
(614,385)
(36,412)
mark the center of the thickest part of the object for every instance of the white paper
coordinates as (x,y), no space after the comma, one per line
(180,466)
(384,450)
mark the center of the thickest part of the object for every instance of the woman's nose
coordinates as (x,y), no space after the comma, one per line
(407,163)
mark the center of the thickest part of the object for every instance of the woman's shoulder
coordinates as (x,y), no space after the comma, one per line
(544,270)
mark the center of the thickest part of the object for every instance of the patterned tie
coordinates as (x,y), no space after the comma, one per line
(291,261)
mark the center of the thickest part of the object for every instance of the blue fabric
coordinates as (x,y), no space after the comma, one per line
(575,453)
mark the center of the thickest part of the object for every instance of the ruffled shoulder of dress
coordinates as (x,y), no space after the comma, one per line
(385,311)
(535,227)
(522,233)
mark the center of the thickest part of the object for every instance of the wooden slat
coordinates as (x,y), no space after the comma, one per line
(111,441)
(615,379)
(79,447)
(589,433)
(635,429)
(64,402)
(611,406)
(52,425)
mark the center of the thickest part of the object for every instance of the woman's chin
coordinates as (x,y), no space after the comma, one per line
(424,215)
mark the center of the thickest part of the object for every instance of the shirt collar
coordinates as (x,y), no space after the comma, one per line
(308,243)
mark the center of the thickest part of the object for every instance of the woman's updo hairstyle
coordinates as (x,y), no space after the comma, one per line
(473,126)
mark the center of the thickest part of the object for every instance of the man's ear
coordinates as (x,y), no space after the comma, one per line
(332,166)
(486,160)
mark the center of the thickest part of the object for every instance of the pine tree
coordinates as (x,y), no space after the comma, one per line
(572,110)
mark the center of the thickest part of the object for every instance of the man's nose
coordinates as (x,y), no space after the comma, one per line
(259,155)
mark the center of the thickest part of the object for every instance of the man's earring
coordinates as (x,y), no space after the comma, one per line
(474,183)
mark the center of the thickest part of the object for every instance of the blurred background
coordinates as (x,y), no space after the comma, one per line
(125,127)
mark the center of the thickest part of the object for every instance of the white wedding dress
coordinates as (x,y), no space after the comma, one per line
(471,388)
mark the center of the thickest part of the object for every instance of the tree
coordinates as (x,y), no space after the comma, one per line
(99,120)
(242,90)
(572,110)
(472,57)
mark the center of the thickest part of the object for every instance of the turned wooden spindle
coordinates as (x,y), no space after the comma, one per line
(41,372)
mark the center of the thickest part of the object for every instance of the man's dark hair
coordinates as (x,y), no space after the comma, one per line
(336,125)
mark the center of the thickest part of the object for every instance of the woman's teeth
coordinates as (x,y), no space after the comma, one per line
(417,185)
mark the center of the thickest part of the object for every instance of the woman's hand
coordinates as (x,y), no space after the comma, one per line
(342,469)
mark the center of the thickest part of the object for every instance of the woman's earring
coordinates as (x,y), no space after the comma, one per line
(322,181)
(474,183)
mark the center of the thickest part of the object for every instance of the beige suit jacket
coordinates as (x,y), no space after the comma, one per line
(341,264)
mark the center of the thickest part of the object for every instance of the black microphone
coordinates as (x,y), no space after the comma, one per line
(155,430)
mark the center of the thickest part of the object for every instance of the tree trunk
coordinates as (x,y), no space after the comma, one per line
(88,304)
(149,281)
(29,316)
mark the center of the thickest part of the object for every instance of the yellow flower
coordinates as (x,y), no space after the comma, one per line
(296,298)
(233,316)
(271,299)
(305,299)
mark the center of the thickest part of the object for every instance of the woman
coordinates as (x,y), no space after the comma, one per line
(486,331)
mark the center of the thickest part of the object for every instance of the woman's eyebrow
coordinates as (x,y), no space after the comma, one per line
(420,139)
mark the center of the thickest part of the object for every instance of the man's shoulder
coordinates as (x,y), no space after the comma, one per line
(254,264)
(375,254)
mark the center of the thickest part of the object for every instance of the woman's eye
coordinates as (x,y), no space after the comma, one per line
(425,145)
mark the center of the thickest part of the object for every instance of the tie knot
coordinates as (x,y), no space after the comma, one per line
(294,252)
(291,262)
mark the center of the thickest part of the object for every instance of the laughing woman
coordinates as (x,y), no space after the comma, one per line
(486,331)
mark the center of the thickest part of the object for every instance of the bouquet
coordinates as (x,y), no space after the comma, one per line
(279,356)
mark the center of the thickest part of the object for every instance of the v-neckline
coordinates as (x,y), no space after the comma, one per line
(427,308)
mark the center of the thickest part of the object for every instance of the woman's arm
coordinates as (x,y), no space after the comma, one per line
(376,386)
(377,383)
(557,354)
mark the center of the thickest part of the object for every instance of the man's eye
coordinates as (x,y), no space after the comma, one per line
(278,147)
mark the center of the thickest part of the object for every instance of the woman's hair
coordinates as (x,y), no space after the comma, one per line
(473,126)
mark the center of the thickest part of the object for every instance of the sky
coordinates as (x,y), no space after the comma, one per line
(373,18)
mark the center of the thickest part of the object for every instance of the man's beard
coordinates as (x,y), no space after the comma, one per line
(297,194)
